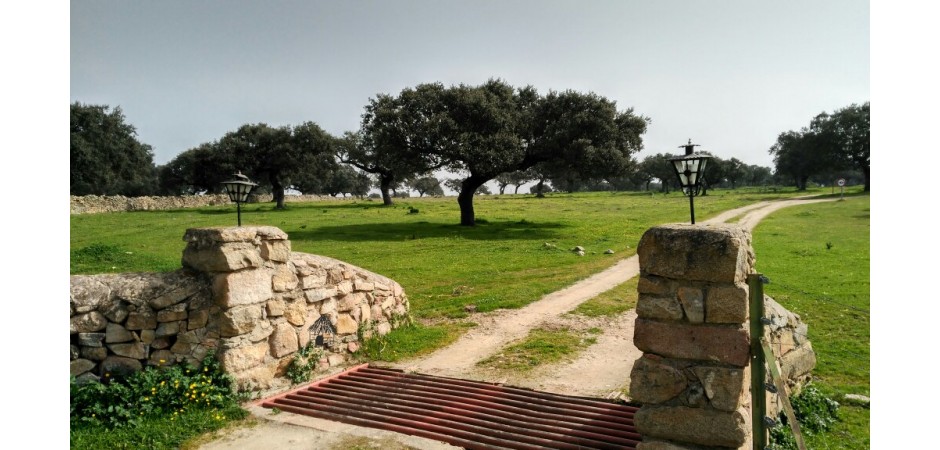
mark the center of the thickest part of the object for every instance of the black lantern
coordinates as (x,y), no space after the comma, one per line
(690,169)
(238,190)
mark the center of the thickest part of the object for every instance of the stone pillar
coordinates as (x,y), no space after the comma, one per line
(249,269)
(692,325)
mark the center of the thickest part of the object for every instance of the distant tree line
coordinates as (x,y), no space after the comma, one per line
(833,146)
(494,132)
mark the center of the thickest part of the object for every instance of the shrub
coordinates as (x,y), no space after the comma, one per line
(303,364)
(124,400)
(815,412)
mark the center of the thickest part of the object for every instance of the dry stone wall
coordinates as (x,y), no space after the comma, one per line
(242,293)
(90,204)
(693,379)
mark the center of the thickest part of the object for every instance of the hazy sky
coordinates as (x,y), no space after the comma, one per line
(730,75)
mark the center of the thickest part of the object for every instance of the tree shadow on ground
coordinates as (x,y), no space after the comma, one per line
(488,231)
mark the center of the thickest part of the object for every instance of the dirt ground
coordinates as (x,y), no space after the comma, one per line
(601,370)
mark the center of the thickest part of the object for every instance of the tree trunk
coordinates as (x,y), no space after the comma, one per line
(539,188)
(517,189)
(867,172)
(465,199)
(385,185)
(277,191)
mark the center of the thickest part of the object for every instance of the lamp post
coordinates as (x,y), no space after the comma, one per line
(238,190)
(690,169)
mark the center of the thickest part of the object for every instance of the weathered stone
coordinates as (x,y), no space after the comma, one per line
(660,308)
(389,303)
(178,294)
(296,312)
(314,280)
(227,257)
(87,293)
(181,348)
(284,279)
(91,339)
(335,360)
(243,358)
(87,322)
(362,285)
(116,312)
(344,287)
(243,288)
(653,285)
(365,314)
(701,252)
(694,396)
(376,311)
(142,319)
(275,307)
(147,336)
(119,365)
(377,286)
(283,341)
(654,380)
(798,362)
(353,347)
(173,313)
(317,295)
(134,350)
(161,358)
(198,319)
(348,302)
(260,377)
(727,304)
(239,320)
(94,353)
(160,343)
(169,328)
(698,426)
(693,303)
(383,328)
(276,250)
(261,331)
(80,366)
(328,306)
(724,344)
(73,351)
(346,325)
(115,333)
(725,388)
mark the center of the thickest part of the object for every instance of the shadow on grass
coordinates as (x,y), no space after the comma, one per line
(490,231)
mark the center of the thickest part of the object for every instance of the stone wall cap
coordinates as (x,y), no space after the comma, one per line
(233,234)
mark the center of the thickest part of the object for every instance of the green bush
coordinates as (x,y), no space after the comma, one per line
(815,413)
(124,400)
(305,361)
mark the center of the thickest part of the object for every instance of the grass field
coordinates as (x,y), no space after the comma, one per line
(816,256)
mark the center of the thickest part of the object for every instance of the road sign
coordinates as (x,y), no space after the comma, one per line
(841,181)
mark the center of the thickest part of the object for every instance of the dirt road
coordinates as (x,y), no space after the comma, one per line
(602,370)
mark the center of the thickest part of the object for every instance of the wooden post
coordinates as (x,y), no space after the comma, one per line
(758,371)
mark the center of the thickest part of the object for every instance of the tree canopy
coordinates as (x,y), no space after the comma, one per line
(106,157)
(495,128)
(831,143)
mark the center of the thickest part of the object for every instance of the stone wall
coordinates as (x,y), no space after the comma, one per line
(693,379)
(241,292)
(90,204)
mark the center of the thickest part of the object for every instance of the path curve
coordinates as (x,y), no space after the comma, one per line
(600,370)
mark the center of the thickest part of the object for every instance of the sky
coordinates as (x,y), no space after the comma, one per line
(729,75)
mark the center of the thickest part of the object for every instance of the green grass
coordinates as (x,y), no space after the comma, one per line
(501,263)
(411,340)
(818,260)
(541,346)
(613,302)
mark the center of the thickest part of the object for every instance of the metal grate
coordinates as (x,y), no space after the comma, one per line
(470,414)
